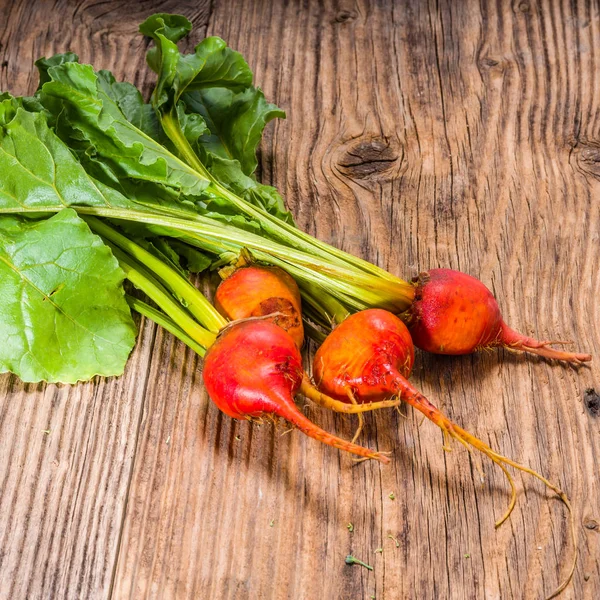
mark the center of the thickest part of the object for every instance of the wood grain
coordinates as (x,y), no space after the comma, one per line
(419,134)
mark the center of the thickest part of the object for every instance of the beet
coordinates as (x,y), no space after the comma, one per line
(259,291)
(454,313)
(255,369)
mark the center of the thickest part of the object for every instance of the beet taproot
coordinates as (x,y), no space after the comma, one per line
(369,357)
(260,291)
(454,313)
(254,369)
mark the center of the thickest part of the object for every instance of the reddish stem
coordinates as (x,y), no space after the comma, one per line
(306,426)
(516,341)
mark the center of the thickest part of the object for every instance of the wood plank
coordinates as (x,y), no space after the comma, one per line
(67,452)
(418,135)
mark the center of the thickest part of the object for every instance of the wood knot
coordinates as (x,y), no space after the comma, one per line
(591,524)
(591,399)
(492,65)
(344,16)
(587,157)
(368,158)
(490,62)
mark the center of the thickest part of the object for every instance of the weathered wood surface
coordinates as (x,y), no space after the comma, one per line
(419,134)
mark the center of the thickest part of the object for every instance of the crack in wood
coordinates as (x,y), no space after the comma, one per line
(366,158)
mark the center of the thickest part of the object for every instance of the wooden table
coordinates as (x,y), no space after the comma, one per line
(419,134)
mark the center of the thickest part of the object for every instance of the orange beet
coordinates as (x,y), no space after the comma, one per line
(454,313)
(255,369)
(365,357)
(256,291)
(369,356)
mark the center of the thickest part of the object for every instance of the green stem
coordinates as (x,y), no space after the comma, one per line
(170,124)
(313,332)
(165,322)
(174,310)
(351,295)
(316,316)
(198,305)
(366,290)
(352,560)
(332,310)
(283,231)
(355,289)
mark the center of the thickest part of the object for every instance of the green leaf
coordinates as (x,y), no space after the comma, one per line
(125,95)
(118,154)
(39,172)
(173,27)
(195,261)
(212,62)
(209,100)
(129,99)
(229,174)
(91,122)
(236,122)
(43,64)
(8,108)
(192,125)
(64,316)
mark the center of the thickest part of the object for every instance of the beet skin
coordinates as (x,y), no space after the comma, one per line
(255,369)
(454,313)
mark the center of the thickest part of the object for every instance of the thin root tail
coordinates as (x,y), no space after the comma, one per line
(312,393)
(361,419)
(295,417)
(502,461)
(418,401)
(515,341)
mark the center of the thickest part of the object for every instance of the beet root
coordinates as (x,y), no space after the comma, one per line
(368,358)
(364,356)
(261,291)
(454,313)
(254,369)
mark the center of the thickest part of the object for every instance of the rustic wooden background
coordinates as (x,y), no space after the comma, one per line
(419,134)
